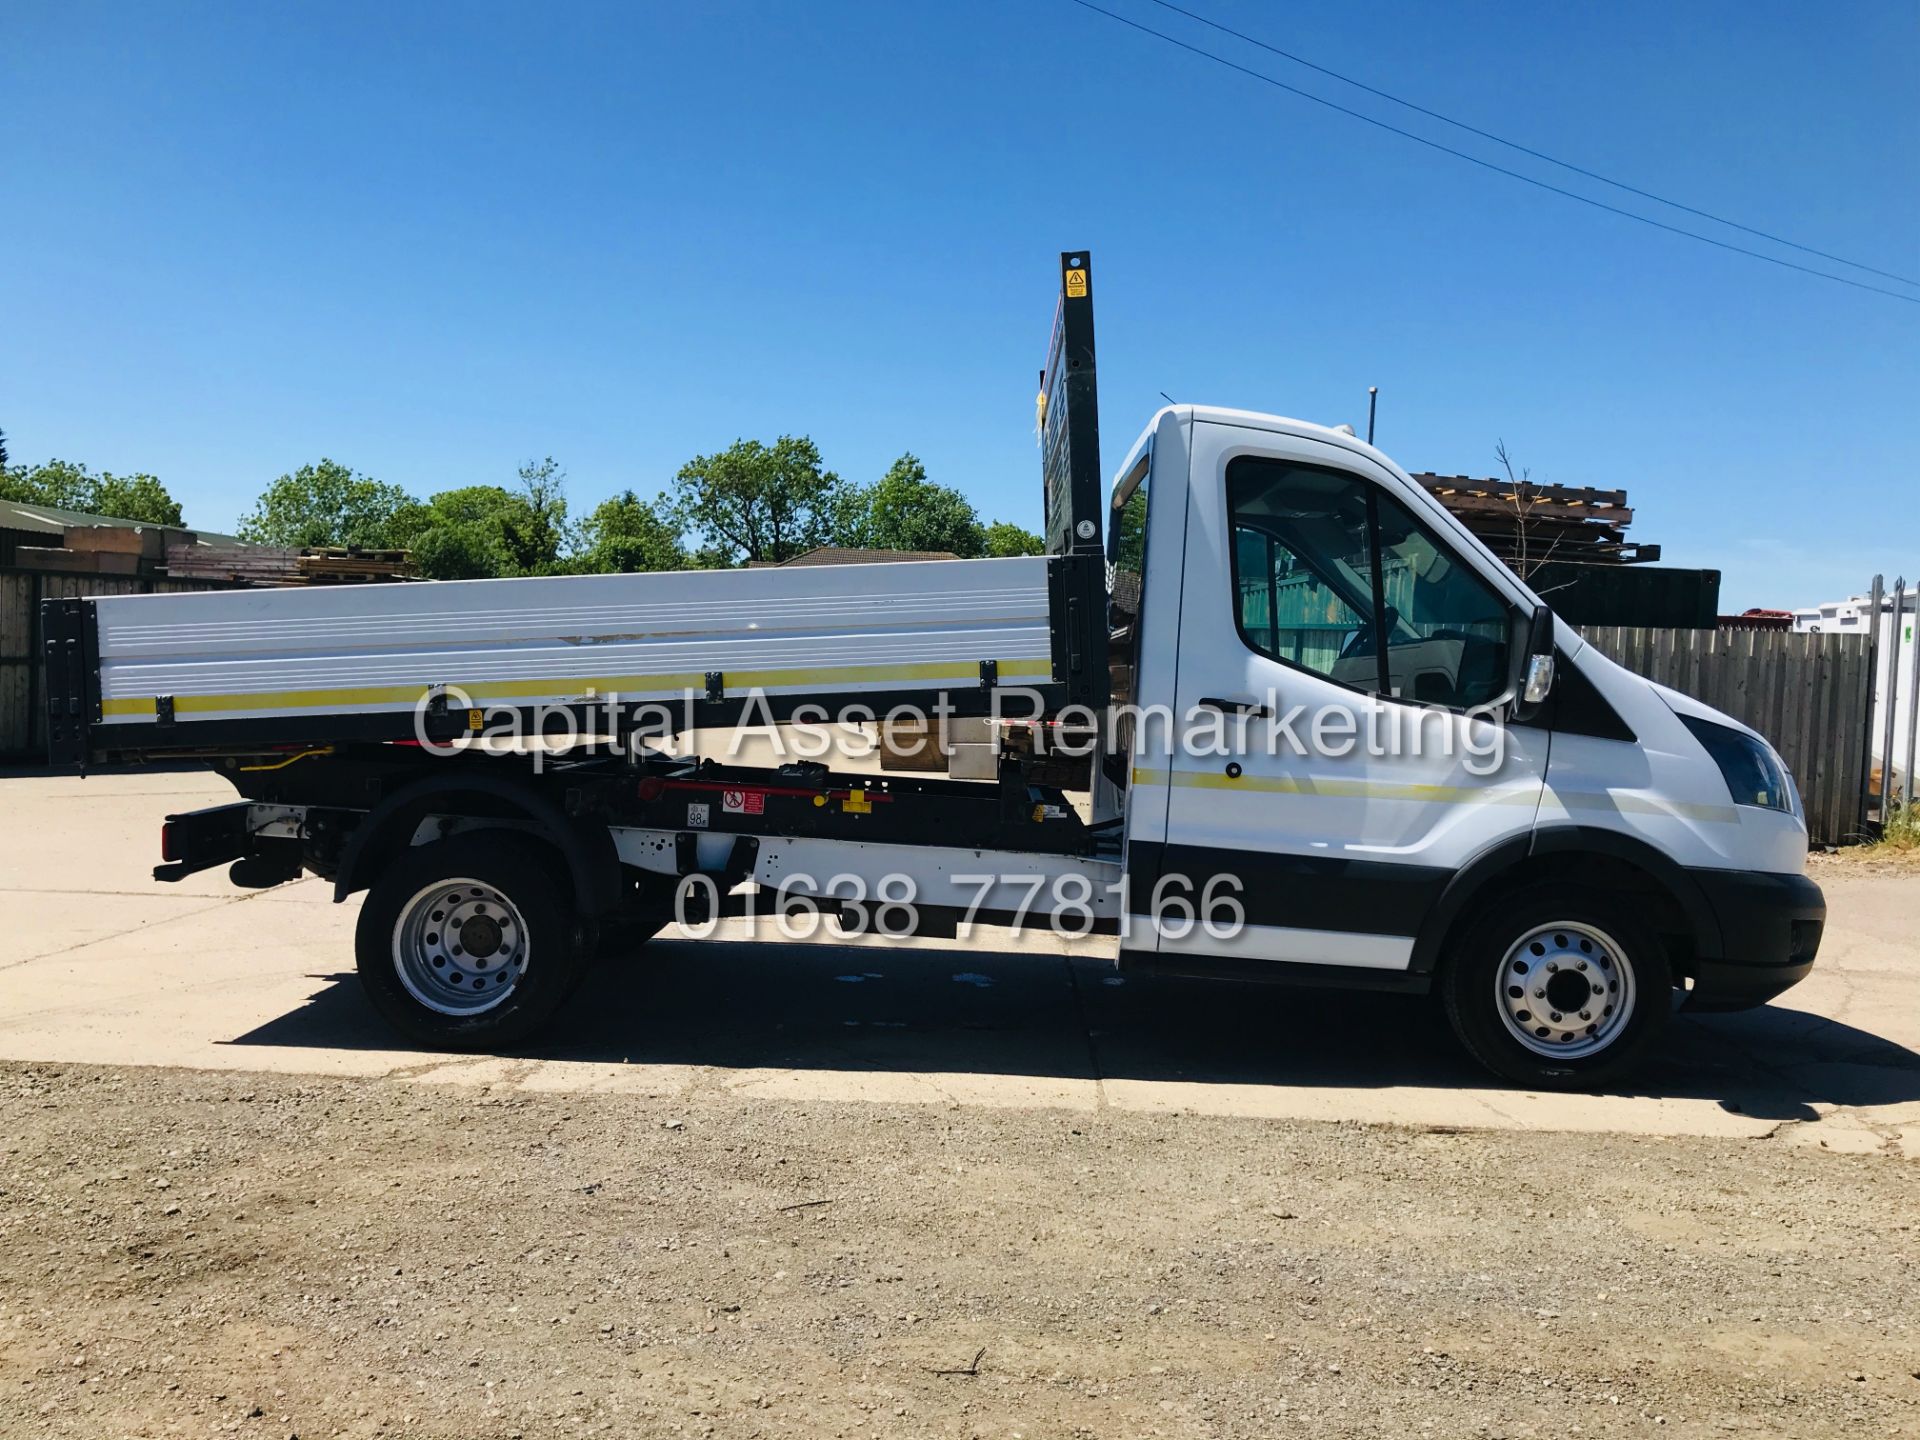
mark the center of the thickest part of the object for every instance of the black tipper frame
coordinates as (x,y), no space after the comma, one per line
(1073,492)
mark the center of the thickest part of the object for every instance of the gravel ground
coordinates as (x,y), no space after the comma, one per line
(192,1253)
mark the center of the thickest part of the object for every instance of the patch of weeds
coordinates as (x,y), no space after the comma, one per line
(1901,833)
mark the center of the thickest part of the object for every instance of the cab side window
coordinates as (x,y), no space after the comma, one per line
(1303,569)
(1335,577)
(1447,632)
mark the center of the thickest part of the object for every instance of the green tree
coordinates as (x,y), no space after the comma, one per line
(760,502)
(327,504)
(537,534)
(851,522)
(459,534)
(1006,538)
(479,532)
(59,483)
(134,497)
(626,534)
(66,486)
(907,511)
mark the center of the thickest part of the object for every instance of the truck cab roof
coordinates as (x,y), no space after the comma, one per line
(1247,419)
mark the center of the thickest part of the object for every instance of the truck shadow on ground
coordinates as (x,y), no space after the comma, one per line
(744,1005)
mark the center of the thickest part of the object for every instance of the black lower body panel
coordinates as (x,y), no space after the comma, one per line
(1770,928)
(1275,972)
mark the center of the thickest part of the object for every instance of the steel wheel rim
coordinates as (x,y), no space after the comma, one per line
(1565,990)
(460,947)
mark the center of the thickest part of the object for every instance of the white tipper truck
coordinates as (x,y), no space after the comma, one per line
(1334,741)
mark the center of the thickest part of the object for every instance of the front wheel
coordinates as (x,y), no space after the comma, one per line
(1558,987)
(468,943)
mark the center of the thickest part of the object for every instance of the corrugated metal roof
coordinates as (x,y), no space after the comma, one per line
(47,520)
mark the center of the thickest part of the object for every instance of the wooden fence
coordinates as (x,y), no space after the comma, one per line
(22,723)
(1808,694)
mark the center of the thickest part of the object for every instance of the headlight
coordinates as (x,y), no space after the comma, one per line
(1753,773)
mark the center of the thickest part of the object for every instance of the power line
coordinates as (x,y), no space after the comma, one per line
(1488,164)
(1529,150)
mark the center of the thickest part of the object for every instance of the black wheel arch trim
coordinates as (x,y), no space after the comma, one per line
(593,865)
(1497,860)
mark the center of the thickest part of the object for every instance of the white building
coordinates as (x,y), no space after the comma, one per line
(1838,615)
(1852,616)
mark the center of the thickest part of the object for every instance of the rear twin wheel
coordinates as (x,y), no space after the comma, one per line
(1558,987)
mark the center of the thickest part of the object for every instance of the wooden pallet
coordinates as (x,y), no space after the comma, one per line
(267,565)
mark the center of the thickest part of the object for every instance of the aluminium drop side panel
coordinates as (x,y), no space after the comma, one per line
(314,654)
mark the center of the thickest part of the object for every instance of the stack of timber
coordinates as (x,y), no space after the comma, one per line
(350,565)
(1526,523)
(102,550)
(266,565)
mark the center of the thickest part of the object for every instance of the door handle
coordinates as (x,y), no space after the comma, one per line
(1236,707)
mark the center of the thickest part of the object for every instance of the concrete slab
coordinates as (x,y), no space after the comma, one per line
(40,922)
(100,833)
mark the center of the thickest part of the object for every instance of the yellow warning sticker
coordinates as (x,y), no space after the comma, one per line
(476,720)
(1076,284)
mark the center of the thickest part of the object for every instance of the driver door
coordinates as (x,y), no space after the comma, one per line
(1339,659)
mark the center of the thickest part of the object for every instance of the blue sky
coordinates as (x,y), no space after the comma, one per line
(433,241)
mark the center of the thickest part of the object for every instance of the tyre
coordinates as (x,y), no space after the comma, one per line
(1558,987)
(469,943)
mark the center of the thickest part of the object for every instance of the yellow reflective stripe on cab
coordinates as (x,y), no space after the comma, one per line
(1330,789)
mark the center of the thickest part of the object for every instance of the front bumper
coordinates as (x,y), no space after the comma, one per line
(1770,929)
